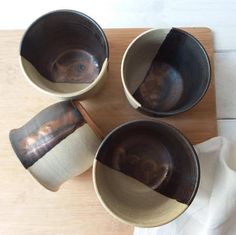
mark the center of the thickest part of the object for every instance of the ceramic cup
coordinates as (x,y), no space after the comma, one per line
(65,54)
(165,72)
(146,173)
(58,143)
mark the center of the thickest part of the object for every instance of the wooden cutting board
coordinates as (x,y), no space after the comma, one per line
(110,107)
(29,209)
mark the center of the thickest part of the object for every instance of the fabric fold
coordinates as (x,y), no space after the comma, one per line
(213,211)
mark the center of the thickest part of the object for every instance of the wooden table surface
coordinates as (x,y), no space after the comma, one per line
(26,208)
(110,108)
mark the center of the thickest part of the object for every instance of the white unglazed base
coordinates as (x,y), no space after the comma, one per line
(64,91)
(137,60)
(71,157)
(131,201)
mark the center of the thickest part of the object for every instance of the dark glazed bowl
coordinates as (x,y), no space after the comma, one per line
(146,173)
(57,144)
(165,72)
(65,54)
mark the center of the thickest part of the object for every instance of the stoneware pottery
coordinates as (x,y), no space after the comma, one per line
(58,143)
(165,72)
(146,173)
(65,54)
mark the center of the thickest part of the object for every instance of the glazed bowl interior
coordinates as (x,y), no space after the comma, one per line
(146,173)
(64,52)
(165,72)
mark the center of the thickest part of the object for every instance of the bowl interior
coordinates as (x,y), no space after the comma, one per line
(63,51)
(166,71)
(146,173)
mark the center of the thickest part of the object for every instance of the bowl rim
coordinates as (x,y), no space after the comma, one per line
(165,113)
(73,94)
(185,141)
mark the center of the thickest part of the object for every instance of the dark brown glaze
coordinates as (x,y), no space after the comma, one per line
(162,88)
(44,131)
(178,77)
(155,154)
(137,157)
(75,66)
(65,46)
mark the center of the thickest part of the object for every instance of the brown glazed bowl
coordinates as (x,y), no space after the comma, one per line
(146,173)
(58,143)
(65,54)
(165,72)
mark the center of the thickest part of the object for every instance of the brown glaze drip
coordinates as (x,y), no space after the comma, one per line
(74,66)
(155,156)
(44,131)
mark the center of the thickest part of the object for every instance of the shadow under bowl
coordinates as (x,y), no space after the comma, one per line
(146,173)
(64,53)
(165,72)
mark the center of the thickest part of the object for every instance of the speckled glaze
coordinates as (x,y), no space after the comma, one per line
(65,53)
(57,144)
(165,72)
(149,161)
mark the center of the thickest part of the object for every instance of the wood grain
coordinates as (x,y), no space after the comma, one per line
(26,207)
(110,107)
(225,80)
(219,15)
(227,128)
(29,209)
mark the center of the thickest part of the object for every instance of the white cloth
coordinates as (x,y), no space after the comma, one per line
(213,211)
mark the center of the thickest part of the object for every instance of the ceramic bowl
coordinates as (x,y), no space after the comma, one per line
(58,143)
(146,173)
(65,54)
(165,72)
